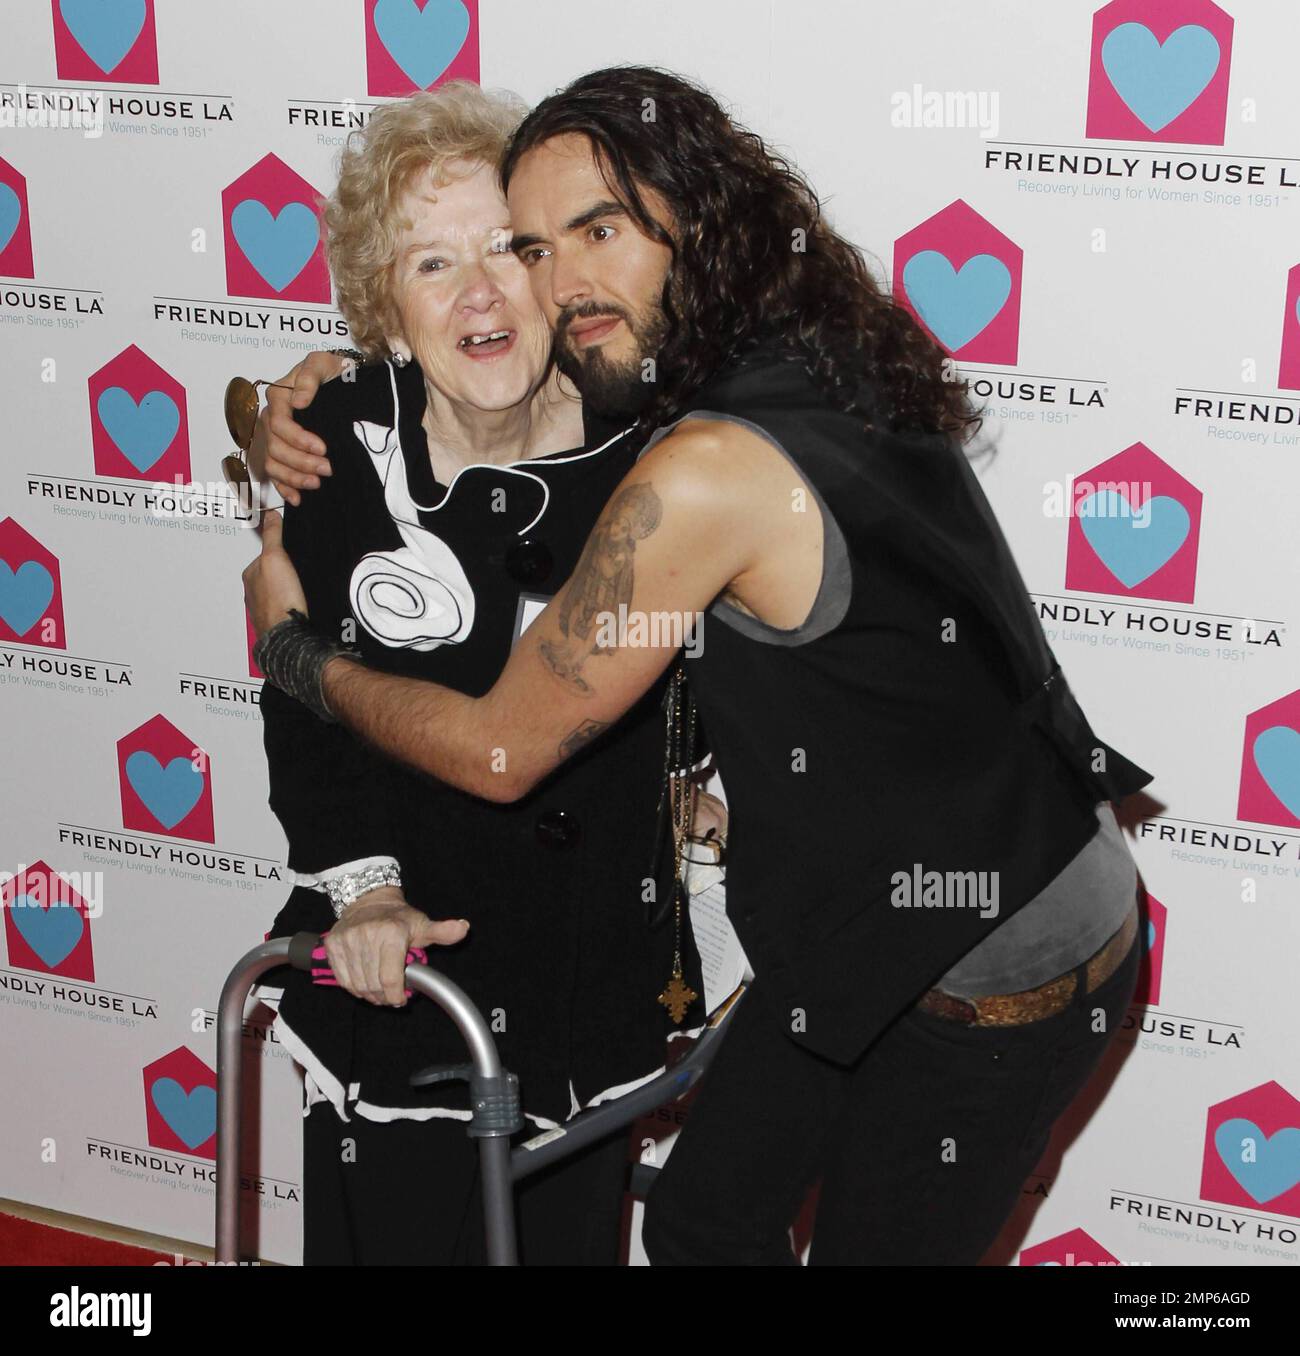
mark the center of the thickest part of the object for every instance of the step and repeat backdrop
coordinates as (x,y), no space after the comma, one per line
(1096,210)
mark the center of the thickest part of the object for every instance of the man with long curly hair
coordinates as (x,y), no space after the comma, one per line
(925,869)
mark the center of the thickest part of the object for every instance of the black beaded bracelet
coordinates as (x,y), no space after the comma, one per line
(293,655)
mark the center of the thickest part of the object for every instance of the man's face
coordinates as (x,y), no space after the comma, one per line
(595,275)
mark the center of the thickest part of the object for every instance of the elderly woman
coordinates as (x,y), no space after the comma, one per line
(464,478)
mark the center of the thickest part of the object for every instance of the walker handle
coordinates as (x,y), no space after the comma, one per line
(301,945)
(317,963)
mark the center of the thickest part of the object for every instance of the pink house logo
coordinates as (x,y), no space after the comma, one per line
(15,228)
(417,44)
(106,40)
(31,595)
(1159,71)
(1252,1151)
(1134,529)
(138,423)
(180,1104)
(1269,792)
(1288,376)
(274,235)
(1151,972)
(165,782)
(1075,1249)
(960,277)
(47,925)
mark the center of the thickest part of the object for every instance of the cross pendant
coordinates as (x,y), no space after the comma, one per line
(677,997)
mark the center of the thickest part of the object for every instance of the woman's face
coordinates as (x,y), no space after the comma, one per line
(456,280)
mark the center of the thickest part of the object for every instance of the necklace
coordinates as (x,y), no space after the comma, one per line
(680,745)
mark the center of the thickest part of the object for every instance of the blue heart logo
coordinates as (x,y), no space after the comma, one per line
(191,1115)
(424,42)
(24,595)
(277,247)
(1129,548)
(1276,1165)
(1151,935)
(105,30)
(956,304)
(142,432)
(1277,755)
(52,933)
(11,211)
(169,793)
(1158,81)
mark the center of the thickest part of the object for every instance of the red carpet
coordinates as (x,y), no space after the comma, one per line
(25,1244)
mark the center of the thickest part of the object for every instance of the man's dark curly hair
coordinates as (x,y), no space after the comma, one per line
(753,259)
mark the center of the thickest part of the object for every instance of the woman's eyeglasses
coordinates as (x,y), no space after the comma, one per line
(705,849)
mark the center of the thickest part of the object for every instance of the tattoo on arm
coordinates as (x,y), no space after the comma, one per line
(581,737)
(601,584)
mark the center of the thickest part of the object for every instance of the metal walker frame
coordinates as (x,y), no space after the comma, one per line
(496,1111)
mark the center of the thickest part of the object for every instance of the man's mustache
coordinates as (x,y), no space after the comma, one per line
(591,310)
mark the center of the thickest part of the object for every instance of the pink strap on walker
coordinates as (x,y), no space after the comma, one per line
(323,974)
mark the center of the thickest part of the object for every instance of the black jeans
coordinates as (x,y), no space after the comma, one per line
(408,1192)
(922,1147)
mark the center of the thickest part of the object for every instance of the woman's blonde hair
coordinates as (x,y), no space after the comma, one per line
(428,131)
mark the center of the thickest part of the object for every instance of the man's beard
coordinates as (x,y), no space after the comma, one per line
(620,389)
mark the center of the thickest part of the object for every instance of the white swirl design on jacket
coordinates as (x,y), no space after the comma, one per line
(417,596)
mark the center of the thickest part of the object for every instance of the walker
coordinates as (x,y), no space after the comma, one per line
(496,1112)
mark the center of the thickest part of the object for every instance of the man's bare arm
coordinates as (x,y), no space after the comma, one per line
(675,533)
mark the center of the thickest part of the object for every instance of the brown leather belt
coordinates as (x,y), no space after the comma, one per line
(1031,1005)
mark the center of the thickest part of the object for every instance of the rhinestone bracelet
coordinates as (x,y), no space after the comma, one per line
(343,890)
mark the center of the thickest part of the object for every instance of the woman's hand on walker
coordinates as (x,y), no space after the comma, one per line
(367,947)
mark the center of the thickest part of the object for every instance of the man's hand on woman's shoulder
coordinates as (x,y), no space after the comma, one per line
(284,452)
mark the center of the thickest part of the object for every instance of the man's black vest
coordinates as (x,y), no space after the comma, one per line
(931,730)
